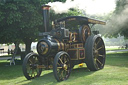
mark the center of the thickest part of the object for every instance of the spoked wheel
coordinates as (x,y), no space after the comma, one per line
(61,66)
(95,53)
(30,66)
(84,32)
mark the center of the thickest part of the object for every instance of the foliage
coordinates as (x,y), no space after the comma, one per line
(101,28)
(71,12)
(118,24)
(21,20)
(120,6)
(7,18)
(121,12)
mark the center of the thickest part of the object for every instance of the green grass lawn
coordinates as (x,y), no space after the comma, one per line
(115,72)
(113,48)
(108,49)
(6,56)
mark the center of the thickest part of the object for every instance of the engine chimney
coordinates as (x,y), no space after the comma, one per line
(46,16)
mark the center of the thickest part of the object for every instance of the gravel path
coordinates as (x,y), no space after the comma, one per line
(112,51)
(7,58)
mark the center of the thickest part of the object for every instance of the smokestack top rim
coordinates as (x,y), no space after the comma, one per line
(45,7)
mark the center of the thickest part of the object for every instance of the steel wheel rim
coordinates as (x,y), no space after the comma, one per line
(99,53)
(63,67)
(31,67)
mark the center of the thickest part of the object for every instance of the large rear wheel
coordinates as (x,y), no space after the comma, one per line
(95,53)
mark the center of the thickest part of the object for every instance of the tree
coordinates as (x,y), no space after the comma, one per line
(21,20)
(31,22)
(8,18)
(121,10)
(118,24)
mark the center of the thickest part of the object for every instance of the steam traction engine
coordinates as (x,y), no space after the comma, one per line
(61,48)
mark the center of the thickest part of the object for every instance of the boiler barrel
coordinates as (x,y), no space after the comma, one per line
(46,47)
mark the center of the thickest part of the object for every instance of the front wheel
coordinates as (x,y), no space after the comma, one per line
(30,66)
(62,66)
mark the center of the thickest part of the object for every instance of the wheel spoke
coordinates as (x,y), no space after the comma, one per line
(100,48)
(101,55)
(34,59)
(59,67)
(58,71)
(32,71)
(36,71)
(62,74)
(58,64)
(99,62)
(65,70)
(65,73)
(65,60)
(98,41)
(28,66)
(29,71)
(30,61)
(96,63)
(95,46)
(61,61)
(34,74)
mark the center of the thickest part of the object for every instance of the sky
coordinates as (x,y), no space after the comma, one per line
(89,6)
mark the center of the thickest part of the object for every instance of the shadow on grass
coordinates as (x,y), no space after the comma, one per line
(4,63)
(8,72)
(5,56)
(117,59)
(50,79)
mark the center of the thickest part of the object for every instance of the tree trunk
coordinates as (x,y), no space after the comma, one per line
(28,45)
(18,50)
